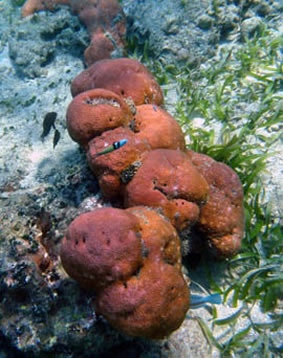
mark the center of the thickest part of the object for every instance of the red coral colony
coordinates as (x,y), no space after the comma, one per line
(131,257)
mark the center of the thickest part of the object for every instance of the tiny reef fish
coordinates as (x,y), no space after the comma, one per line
(48,123)
(56,138)
(197,301)
(112,147)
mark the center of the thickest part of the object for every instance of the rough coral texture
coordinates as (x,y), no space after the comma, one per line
(221,220)
(132,259)
(166,189)
(150,121)
(117,169)
(168,180)
(104,20)
(93,112)
(111,169)
(126,77)
(96,254)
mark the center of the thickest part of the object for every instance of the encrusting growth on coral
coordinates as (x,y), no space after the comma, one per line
(104,20)
(131,257)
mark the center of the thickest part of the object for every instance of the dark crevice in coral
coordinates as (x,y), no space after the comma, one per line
(49,36)
(138,271)
(162,191)
(8,350)
(49,58)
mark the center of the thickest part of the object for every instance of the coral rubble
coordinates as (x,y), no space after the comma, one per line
(104,20)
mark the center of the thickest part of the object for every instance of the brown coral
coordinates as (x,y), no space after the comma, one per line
(93,112)
(132,259)
(126,77)
(221,221)
(168,180)
(104,20)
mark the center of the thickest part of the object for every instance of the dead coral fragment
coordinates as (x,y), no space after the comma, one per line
(104,19)
(221,221)
(126,77)
(93,112)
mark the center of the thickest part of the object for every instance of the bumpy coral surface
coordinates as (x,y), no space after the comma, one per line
(93,112)
(132,259)
(104,19)
(101,247)
(165,188)
(221,220)
(168,180)
(115,169)
(126,77)
(158,128)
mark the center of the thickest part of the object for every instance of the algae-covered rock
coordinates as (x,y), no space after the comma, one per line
(34,43)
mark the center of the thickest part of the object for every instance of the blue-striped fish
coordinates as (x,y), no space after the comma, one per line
(197,301)
(112,147)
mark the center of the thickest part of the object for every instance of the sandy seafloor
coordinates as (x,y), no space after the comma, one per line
(46,317)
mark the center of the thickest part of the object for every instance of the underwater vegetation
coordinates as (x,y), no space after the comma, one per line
(224,108)
(240,93)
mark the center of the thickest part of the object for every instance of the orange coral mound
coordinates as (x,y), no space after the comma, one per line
(132,259)
(126,77)
(94,112)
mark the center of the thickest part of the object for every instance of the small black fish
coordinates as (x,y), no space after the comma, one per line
(56,138)
(48,123)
